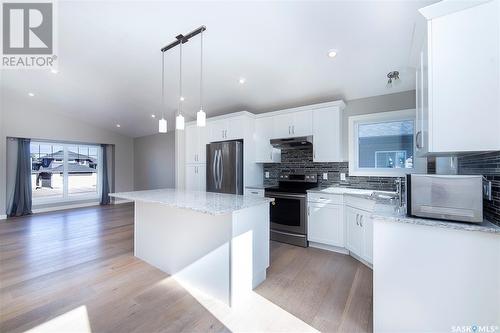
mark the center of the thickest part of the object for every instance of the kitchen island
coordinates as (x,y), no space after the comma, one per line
(215,243)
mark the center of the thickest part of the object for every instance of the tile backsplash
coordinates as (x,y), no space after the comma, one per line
(301,161)
(488,165)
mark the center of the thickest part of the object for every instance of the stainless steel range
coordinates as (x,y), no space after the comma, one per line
(289,210)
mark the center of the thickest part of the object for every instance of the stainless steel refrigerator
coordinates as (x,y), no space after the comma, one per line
(225,167)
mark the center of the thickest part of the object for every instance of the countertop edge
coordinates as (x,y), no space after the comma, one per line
(195,209)
(489,228)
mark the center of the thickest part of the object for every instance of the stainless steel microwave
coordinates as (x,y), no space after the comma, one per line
(446,197)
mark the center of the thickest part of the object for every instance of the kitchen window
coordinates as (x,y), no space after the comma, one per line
(382,144)
(64,172)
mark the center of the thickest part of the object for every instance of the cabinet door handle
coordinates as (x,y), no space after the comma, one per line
(288,129)
(293,129)
(357,219)
(308,211)
(271,156)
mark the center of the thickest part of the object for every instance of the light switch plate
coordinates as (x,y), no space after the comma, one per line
(266,174)
(342,176)
(325,176)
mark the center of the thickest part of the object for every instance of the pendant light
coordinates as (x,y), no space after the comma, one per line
(162,123)
(201,116)
(179,120)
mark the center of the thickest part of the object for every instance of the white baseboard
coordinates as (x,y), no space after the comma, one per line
(363,261)
(329,247)
(63,207)
(3,217)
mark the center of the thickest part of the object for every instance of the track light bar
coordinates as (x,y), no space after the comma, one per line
(183,38)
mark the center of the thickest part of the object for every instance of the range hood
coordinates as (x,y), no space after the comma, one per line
(292,143)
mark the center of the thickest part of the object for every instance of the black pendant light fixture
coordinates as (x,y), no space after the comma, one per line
(162,123)
(179,120)
(201,116)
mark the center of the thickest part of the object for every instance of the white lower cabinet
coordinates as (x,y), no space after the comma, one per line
(341,221)
(195,177)
(325,224)
(359,233)
(354,232)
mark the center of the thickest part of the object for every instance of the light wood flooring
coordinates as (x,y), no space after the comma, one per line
(53,263)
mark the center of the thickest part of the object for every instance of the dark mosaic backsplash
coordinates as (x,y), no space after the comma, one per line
(301,161)
(488,165)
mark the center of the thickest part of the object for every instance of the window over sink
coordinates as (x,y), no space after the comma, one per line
(383,144)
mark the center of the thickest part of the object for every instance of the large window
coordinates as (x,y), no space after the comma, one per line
(64,172)
(382,144)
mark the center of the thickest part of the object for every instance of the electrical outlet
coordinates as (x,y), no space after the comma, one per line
(325,175)
(266,174)
(342,176)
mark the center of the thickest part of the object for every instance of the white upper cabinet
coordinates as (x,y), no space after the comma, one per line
(264,152)
(327,134)
(292,124)
(463,55)
(196,140)
(226,129)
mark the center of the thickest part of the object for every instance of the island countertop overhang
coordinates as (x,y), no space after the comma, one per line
(203,202)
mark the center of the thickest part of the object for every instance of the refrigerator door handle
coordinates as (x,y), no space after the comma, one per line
(219,156)
(214,165)
(221,171)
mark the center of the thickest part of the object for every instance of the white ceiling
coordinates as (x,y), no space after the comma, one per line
(109,57)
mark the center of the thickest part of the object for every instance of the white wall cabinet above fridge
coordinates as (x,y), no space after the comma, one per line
(231,128)
(458,70)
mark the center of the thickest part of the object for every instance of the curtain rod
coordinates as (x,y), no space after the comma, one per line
(184,38)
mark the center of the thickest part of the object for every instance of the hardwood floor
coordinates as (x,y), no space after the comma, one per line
(53,263)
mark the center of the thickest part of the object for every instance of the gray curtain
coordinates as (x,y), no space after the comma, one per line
(105,200)
(22,200)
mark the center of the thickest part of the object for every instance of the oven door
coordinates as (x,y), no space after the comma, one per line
(288,212)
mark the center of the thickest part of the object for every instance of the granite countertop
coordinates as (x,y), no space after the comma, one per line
(381,213)
(379,196)
(203,202)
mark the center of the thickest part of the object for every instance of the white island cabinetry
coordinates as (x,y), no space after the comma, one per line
(215,243)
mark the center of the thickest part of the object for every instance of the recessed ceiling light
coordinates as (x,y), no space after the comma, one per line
(332,53)
(31,94)
(153,116)
(182,98)
(242,80)
(54,71)
(118,125)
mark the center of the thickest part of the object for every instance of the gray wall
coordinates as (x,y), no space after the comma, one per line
(392,102)
(23,118)
(154,161)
